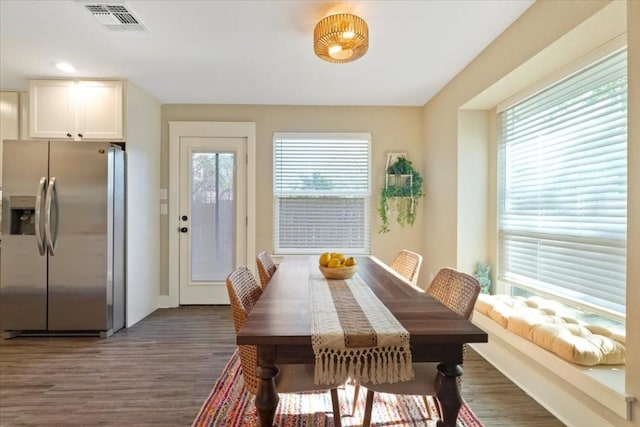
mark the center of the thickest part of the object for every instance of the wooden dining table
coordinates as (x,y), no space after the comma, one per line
(280,326)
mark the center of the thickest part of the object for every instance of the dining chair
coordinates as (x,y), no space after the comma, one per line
(407,264)
(244,292)
(458,292)
(266,268)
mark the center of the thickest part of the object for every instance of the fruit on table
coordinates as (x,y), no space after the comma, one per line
(336,260)
(324,259)
(334,263)
(339,257)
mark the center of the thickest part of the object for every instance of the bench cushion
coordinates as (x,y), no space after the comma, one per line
(542,322)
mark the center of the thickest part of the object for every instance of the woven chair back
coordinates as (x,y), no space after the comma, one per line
(458,291)
(244,292)
(407,264)
(266,268)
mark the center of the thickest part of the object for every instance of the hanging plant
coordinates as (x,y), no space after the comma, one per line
(400,195)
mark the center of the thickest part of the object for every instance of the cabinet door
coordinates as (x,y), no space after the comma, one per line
(99,110)
(52,109)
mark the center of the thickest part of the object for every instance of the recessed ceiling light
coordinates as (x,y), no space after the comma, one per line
(66,67)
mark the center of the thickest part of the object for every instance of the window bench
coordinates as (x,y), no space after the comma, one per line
(576,395)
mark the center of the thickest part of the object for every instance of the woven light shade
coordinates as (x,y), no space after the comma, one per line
(341,38)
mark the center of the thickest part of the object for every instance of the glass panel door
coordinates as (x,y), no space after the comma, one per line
(212,215)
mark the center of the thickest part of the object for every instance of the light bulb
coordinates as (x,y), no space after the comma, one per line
(333,50)
(348,34)
(338,52)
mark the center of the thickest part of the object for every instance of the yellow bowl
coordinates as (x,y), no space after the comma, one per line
(338,273)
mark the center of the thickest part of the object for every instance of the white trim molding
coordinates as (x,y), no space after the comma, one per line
(202,129)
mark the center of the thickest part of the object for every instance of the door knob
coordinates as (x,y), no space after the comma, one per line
(68,135)
(184,229)
(79,135)
(184,217)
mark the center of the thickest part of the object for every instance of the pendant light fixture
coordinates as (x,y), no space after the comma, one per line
(341,38)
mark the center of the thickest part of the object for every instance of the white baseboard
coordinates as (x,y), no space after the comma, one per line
(167,301)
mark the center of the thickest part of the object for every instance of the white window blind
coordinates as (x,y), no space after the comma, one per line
(563,188)
(321,188)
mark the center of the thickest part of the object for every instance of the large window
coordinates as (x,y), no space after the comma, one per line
(321,190)
(563,188)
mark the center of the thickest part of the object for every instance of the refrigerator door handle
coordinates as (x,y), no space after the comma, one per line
(38,219)
(51,195)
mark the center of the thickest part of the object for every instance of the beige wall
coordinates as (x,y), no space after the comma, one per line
(391,128)
(550,35)
(473,169)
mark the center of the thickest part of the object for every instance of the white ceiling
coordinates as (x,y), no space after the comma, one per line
(254,52)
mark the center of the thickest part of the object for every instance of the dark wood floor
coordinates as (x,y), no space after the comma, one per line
(160,371)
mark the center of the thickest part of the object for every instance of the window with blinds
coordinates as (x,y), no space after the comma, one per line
(321,190)
(563,188)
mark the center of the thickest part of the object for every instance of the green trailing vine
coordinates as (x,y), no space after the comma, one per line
(404,193)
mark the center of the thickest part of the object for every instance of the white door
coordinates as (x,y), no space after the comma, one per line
(213,212)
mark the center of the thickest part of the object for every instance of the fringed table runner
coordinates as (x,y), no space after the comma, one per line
(354,335)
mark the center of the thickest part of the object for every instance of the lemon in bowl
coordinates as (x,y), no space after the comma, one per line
(324,260)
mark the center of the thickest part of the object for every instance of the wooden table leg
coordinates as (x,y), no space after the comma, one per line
(448,393)
(267,397)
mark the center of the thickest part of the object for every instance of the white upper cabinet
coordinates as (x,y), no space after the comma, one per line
(79,109)
(99,110)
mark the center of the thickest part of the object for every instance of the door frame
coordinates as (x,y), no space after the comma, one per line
(178,130)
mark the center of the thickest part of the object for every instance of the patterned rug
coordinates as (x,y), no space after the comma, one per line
(230,405)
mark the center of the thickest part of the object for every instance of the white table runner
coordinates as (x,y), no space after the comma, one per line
(354,335)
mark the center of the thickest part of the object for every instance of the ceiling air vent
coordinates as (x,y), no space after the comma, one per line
(116,17)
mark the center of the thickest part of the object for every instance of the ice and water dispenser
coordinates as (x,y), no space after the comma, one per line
(22,212)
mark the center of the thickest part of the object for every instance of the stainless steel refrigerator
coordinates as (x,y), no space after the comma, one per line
(63,238)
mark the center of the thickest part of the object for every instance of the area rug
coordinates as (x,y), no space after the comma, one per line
(230,405)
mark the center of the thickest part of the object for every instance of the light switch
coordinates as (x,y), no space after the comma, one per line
(163,194)
(164,209)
